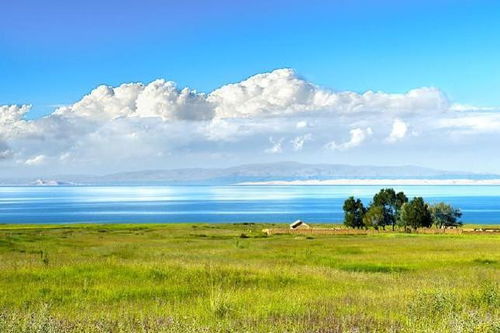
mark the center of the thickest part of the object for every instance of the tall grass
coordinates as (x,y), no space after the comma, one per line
(208,278)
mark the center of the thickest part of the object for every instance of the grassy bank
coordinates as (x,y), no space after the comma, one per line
(188,278)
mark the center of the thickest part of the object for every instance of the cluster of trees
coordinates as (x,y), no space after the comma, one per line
(389,208)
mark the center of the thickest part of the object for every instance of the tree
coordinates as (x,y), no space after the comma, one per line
(354,211)
(391,202)
(415,214)
(401,199)
(374,217)
(444,215)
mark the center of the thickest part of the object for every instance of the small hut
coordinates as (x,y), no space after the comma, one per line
(299,224)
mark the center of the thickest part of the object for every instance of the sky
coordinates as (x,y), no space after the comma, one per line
(107,86)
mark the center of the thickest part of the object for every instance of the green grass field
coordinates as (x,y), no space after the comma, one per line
(225,278)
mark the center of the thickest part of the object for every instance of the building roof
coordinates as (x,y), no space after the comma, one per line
(297,224)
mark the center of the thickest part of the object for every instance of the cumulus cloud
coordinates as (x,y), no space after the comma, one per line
(277,93)
(11,114)
(358,136)
(159,98)
(35,160)
(282,92)
(298,142)
(11,119)
(276,146)
(157,124)
(399,130)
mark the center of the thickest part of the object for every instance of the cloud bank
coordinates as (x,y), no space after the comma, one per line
(159,125)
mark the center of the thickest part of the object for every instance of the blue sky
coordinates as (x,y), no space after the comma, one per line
(54,52)
(354,82)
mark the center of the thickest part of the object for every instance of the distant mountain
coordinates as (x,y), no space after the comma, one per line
(282,171)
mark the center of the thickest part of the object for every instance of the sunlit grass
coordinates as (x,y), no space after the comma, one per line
(183,278)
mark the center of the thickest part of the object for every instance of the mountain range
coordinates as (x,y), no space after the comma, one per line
(280,171)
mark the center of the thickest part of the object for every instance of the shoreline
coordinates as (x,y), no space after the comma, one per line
(314,225)
(380,182)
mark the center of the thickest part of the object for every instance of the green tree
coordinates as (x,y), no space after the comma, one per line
(444,215)
(415,214)
(374,217)
(391,203)
(354,211)
(401,199)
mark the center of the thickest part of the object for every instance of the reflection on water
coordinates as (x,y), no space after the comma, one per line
(480,204)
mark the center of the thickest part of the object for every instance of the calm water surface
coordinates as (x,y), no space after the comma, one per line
(142,204)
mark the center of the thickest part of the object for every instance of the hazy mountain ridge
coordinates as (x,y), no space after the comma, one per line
(281,171)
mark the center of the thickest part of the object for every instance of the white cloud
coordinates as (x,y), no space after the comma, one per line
(277,93)
(302,124)
(162,99)
(159,98)
(11,119)
(298,142)
(472,123)
(156,124)
(276,146)
(399,130)
(358,136)
(35,160)
(10,114)
(282,92)
(468,107)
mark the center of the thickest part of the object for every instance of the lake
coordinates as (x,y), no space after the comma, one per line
(167,204)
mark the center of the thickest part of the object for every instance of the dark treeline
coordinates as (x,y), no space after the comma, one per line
(389,208)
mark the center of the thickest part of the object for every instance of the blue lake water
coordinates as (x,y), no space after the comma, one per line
(167,204)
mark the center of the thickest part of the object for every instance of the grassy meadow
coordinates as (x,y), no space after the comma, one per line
(233,278)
